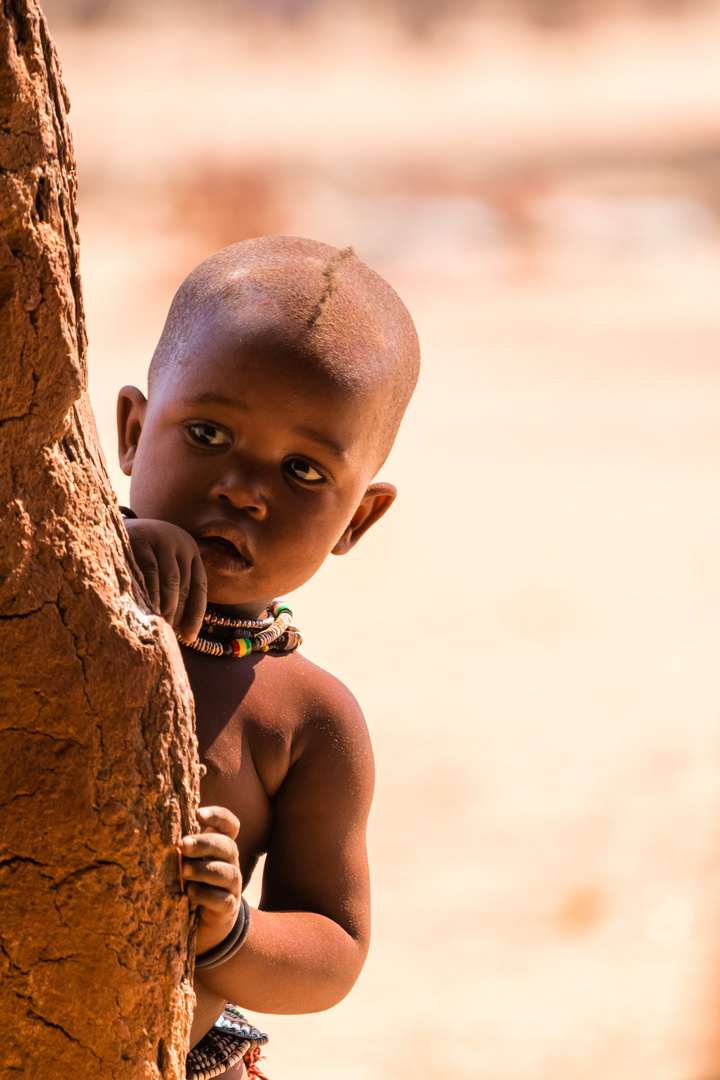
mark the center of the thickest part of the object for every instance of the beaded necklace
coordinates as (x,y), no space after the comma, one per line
(274,634)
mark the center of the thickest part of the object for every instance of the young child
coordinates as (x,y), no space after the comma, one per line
(274,397)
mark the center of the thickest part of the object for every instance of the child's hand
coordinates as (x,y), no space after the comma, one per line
(173,571)
(212,875)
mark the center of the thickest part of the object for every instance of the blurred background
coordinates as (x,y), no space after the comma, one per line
(539,181)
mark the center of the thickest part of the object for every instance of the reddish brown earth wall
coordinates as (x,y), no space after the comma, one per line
(98,768)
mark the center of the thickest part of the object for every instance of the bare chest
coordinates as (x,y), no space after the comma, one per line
(245,733)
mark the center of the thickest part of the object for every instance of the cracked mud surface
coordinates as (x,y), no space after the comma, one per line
(99,774)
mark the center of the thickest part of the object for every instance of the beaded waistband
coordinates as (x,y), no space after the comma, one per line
(231,1039)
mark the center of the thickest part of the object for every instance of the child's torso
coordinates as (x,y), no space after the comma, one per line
(247,716)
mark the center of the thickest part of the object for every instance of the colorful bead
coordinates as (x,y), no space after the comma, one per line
(241,646)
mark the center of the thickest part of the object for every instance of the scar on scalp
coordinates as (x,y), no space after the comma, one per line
(329,273)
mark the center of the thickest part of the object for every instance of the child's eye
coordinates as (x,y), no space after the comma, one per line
(209,434)
(300,469)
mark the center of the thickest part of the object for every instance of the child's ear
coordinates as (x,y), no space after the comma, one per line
(377,499)
(131,407)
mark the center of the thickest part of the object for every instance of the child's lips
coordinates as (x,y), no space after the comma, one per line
(221,550)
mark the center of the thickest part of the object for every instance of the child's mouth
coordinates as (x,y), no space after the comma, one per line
(221,554)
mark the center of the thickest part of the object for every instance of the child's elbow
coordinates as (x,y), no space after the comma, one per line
(338,976)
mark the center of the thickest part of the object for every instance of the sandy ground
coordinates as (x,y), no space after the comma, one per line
(543,686)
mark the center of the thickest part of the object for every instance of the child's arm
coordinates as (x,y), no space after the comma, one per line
(173,570)
(309,938)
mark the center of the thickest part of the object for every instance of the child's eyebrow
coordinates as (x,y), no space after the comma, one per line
(209,397)
(335,448)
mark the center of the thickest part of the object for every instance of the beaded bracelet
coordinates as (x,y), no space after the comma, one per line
(231,944)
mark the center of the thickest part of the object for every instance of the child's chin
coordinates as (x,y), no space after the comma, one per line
(228,594)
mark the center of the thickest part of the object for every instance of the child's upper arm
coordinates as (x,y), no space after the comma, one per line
(317,859)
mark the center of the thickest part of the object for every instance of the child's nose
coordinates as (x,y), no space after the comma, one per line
(243,491)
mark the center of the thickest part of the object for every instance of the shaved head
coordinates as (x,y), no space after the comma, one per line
(320,306)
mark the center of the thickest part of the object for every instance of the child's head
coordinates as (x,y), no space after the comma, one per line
(275,394)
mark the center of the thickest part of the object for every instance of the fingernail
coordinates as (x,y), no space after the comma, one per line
(180,869)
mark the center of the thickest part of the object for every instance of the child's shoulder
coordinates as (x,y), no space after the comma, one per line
(316,699)
(327,740)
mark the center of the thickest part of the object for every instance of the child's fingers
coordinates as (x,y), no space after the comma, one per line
(147,564)
(211,846)
(171,580)
(219,901)
(190,618)
(173,571)
(222,875)
(218,819)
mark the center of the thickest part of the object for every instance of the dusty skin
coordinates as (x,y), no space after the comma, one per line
(544,836)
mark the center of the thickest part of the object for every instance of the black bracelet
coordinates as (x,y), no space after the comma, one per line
(231,944)
(127,512)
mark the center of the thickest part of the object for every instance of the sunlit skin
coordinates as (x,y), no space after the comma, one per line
(248,467)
